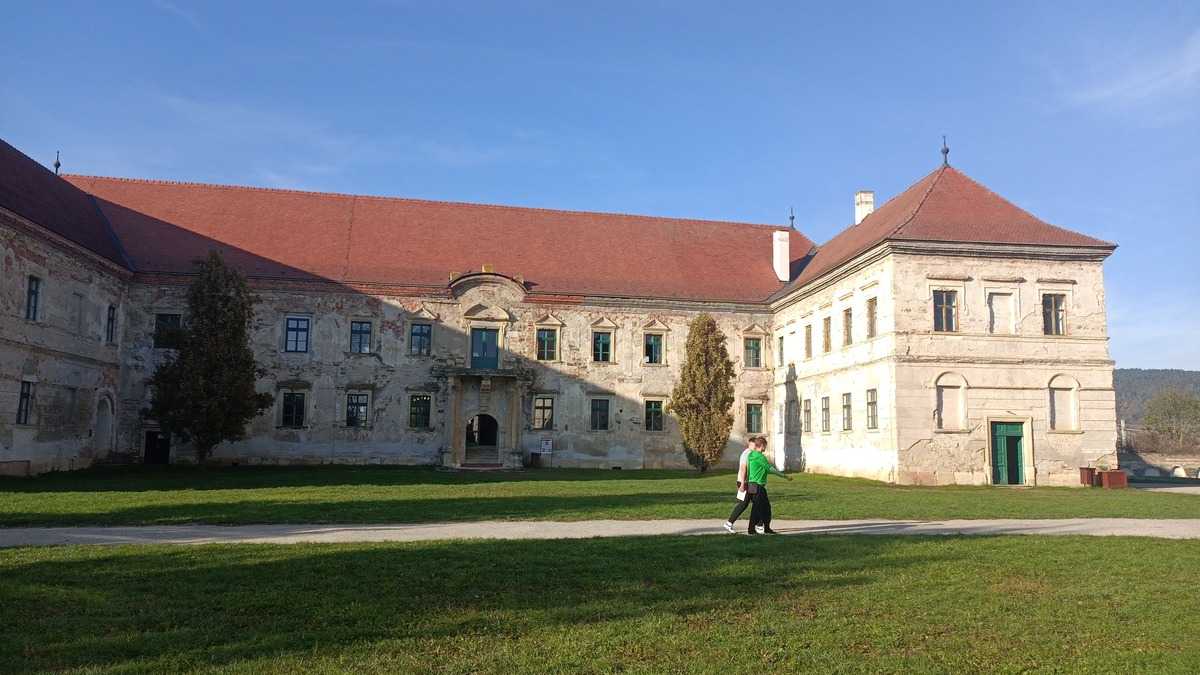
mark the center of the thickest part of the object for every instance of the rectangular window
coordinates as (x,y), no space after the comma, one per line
(1054,314)
(753,352)
(602,347)
(945,311)
(847,412)
(1000,312)
(293,410)
(110,325)
(32,293)
(1061,417)
(653,352)
(779,352)
(419,408)
(77,312)
(825,414)
(599,414)
(872,309)
(547,344)
(793,417)
(25,403)
(356,410)
(827,334)
(807,423)
(166,330)
(296,334)
(420,339)
(847,326)
(754,418)
(949,410)
(654,416)
(872,409)
(360,337)
(543,412)
(808,341)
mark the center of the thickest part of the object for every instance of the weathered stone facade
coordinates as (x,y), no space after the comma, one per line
(1011,383)
(997,364)
(390,374)
(61,357)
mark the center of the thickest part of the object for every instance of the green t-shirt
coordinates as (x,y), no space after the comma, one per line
(757,468)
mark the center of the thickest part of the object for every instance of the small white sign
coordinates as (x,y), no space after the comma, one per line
(547,445)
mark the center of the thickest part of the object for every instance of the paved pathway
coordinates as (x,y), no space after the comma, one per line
(292,534)
(1176,489)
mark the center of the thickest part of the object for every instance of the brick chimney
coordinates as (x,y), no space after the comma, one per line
(781,242)
(864,205)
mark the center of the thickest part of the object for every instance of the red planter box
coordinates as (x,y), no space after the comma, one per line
(1087,476)
(1113,479)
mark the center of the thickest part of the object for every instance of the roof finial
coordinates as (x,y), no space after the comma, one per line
(945,152)
(791,217)
(57,163)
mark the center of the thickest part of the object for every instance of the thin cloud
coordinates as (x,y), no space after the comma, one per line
(187,15)
(1149,80)
(288,148)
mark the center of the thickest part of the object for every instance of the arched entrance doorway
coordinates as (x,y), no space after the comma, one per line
(482,442)
(102,437)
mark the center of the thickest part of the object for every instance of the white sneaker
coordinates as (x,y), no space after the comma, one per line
(729,527)
(762,529)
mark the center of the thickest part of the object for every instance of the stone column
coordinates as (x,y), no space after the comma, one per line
(514,420)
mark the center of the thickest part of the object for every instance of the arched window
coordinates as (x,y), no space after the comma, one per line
(1064,403)
(950,413)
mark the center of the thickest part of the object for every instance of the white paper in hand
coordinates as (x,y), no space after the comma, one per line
(741,495)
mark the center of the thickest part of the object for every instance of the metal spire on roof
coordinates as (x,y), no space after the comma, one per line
(945,152)
(792,217)
(57,164)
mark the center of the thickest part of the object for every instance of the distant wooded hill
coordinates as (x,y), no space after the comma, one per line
(1136,386)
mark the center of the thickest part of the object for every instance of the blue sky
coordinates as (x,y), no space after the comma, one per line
(1088,117)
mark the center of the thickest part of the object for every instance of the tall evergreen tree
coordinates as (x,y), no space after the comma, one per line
(704,394)
(205,392)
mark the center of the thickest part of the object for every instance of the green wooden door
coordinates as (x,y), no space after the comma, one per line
(1007,465)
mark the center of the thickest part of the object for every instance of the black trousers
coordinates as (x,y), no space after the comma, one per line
(761,513)
(739,507)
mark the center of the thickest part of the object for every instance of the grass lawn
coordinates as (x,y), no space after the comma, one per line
(332,494)
(674,604)
(347,494)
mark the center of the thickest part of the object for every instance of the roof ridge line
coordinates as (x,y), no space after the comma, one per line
(112,232)
(941,171)
(347,195)
(1013,204)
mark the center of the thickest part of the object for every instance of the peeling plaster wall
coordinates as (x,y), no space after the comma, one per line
(1008,368)
(391,374)
(63,353)
(1003,358)
(866,363)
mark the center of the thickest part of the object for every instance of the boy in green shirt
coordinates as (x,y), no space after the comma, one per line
(757,469)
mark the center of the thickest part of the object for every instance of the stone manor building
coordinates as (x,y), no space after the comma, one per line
(946,337)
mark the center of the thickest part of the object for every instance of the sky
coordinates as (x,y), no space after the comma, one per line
(1086,114)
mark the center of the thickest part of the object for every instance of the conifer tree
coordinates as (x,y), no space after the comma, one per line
(204,392)
(704,394)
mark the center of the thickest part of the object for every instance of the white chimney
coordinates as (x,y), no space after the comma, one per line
(864,205)
(781,242)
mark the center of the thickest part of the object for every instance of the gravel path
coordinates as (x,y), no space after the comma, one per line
(292,534)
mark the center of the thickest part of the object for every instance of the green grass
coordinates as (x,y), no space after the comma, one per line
(135,495)
(674,604)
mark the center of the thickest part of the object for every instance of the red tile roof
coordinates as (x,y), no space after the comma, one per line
(33,192)
(356,239)
(944,206)
(161,227)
